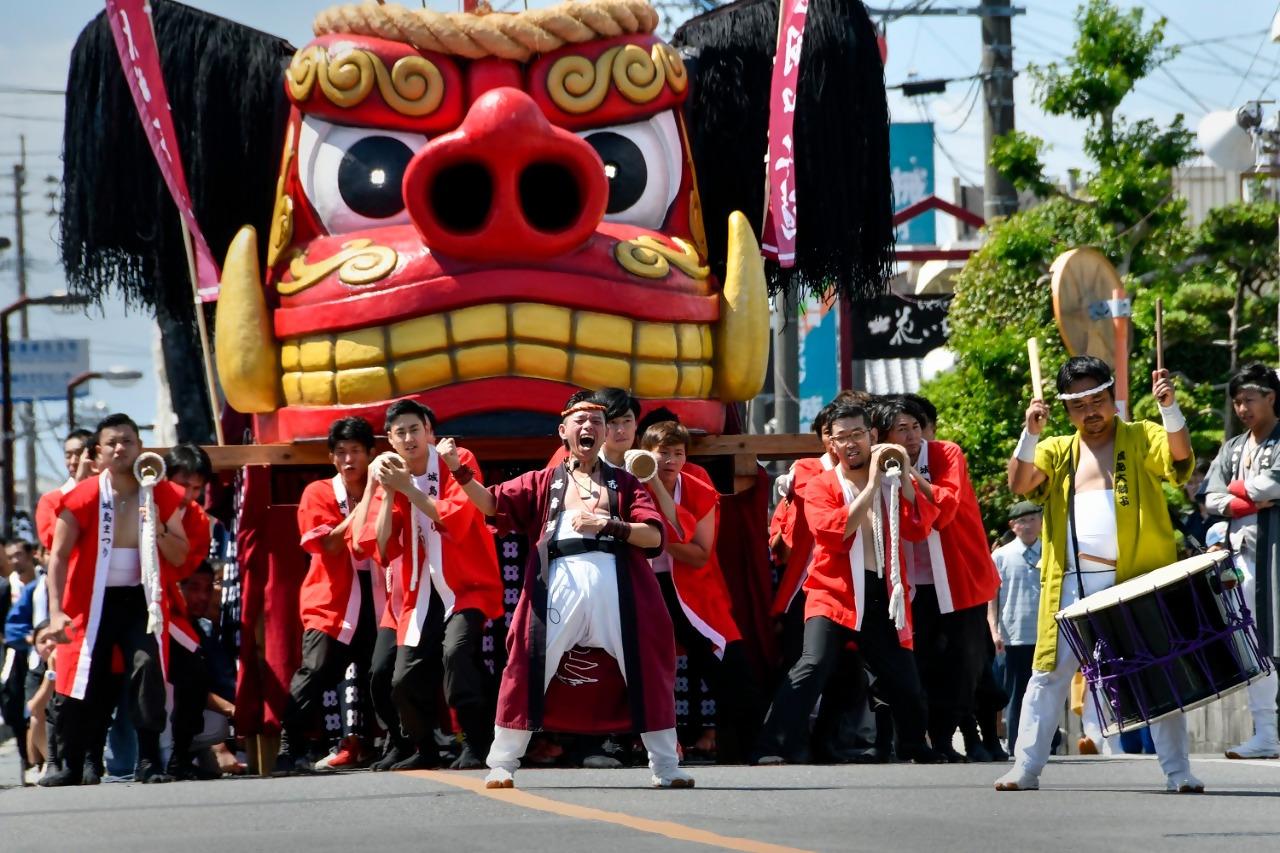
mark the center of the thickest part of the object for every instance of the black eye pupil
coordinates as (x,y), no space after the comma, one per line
(624,166)
(370,175)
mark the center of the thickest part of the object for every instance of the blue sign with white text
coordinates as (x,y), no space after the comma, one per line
(912,169)
(40,370)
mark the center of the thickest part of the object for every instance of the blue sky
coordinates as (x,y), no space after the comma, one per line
(1237,63)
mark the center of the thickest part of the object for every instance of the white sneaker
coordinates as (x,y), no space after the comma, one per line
(601,762)
(1018,780)
(500,777)
(1257,746)
(1184,783)
(673,778)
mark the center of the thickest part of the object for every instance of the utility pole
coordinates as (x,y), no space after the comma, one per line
(999,198)
(24,329)
(786,366)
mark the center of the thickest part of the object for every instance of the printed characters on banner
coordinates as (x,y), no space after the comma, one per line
(139,56)
(780,227)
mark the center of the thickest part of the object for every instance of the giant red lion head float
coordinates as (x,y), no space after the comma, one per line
(483,212)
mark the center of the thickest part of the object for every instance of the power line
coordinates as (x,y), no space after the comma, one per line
(1190,94)
(21,90)
(1261,44)
(17,117)
(1217,57)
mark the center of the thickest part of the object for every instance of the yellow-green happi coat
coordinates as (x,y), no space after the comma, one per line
(1144,531)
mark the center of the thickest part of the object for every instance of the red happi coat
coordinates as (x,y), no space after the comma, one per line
(82,596)
(329,600)
(531,504)
(468,567)
(47,510)
(702,591)
(964,575)
(832,589)
(795,532)
(199,531)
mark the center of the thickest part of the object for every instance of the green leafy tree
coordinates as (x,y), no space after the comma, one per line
(1216,281)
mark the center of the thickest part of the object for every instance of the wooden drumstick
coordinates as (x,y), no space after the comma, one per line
(1037,381)
(1159,333)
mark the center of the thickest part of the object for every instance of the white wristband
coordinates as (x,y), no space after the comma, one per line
(1172,417)
(1026,451)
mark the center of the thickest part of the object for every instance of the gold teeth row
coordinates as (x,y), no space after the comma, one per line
(530,340)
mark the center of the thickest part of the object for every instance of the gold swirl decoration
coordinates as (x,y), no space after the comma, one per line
(359,263)
(649,258)
(282,214)
(414,86)
(578,85)
(677,74)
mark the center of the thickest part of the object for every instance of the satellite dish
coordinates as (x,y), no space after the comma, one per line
(1083,282)
(1225,142)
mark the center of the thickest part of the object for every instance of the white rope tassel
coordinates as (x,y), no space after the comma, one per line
(898,598)
(149,557)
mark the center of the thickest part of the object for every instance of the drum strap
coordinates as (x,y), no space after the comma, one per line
(1071,524)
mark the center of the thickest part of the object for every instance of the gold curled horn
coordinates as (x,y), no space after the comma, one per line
(640,464)
(149,468)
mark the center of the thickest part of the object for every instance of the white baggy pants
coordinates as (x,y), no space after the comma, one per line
(1262,692)
(1047,693)
(582,610)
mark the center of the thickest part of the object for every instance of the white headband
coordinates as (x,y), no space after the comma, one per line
(1080,395)
(1254,386)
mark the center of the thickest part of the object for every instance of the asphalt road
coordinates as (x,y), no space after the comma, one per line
(1086,804)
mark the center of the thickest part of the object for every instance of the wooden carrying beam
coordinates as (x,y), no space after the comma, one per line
(230,456)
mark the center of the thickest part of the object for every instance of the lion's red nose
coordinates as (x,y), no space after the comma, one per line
(506,185)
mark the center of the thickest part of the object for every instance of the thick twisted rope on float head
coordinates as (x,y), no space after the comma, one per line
(517,36)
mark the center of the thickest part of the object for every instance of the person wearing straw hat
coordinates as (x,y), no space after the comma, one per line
(1105,521)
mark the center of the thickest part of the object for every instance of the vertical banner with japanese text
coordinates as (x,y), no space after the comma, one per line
(140,59)
(778,242)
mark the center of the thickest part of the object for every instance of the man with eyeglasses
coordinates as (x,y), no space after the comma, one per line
(1105,521)
(852,586)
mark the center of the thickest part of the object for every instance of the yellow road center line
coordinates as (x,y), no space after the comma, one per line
(669,829)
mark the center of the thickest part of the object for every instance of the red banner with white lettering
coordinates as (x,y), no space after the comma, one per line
(778,242)
(140,58)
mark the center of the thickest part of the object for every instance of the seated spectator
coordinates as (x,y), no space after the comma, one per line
(207,754)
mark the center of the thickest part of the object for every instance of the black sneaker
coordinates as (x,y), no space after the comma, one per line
(291,764)
(92,775)
(921,755)
(62,778)
(395,753)
(468,760)
(149,773)
(419,760)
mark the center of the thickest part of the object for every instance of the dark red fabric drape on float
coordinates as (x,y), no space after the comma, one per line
(273,566)
(743,549)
